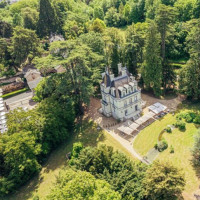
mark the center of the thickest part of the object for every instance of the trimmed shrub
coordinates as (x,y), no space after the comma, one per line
(189,119)
(168,129)
(171,149)
(180,125)
(197,119)
(6,96)
(161,146)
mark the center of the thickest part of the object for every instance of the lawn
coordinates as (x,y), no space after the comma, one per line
(182,143)
(87,133)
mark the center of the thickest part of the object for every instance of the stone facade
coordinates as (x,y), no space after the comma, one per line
(121,97)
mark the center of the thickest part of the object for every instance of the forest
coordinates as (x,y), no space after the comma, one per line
(159,43)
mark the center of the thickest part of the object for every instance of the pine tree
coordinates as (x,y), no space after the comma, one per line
(165,16)
(190,76)
(47,19)
(152,67)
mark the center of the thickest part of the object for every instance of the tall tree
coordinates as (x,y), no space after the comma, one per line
(81,185)
(165,17)
(6,29)
(190,75)
(30,18)
(151,7)
(133,53)
(47,23)
(152,67)
(24,45)
(82,67)
(114,48)
(163,181)
(114,167)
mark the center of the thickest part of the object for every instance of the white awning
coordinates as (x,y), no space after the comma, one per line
(127,123)
(2,108)
(140,121)
(157,108)
(125,129)
(134,126)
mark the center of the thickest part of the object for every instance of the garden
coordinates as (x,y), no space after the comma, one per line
(171,138)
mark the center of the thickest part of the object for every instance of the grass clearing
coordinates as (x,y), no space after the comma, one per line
(87,133)
(181,141)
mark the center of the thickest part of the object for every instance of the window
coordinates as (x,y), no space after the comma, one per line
(130,100)
(125,103)
(135,98)
(135,88)
(136,108)
(124,94)
(126,112)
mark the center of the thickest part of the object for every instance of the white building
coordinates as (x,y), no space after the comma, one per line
(121,97)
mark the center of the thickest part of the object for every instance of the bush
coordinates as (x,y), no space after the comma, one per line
(180,125)
(168,129)
(188,119)
(180,116)
(197,119)
(161,146)
(171,149)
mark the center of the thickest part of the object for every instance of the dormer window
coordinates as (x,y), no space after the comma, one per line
(124,93)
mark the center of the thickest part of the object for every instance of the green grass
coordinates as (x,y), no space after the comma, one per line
(12,94)
(87,133)
(182,143)
(148,137)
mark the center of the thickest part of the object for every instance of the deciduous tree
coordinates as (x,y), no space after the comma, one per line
(163,181)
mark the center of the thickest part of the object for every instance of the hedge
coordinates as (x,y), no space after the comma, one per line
(11,94)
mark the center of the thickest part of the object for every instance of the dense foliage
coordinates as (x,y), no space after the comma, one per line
(163,181)
(128,178)
(152,38)
(174,28)
(31,136)
(81,185)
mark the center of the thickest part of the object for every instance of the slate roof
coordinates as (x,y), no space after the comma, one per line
(34,83)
